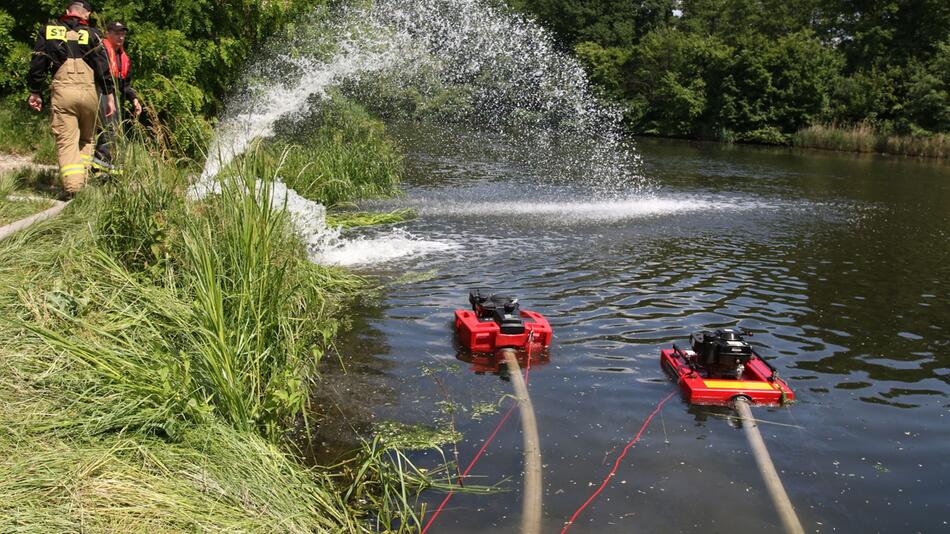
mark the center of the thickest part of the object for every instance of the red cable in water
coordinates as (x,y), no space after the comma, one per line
(617,463)
(484,447)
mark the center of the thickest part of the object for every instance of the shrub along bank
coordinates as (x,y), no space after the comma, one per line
(158,354)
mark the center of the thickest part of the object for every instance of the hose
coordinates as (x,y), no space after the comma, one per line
(14,227)
(531,502)
(783,504)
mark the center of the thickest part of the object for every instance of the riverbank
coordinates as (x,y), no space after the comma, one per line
(860,139)
(159,355)
(865,139)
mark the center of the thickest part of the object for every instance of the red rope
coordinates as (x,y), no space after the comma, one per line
(484,447)
(617,463)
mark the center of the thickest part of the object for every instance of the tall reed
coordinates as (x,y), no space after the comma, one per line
(864,137)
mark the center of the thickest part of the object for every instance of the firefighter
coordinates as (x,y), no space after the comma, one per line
(121,68)
(72,51)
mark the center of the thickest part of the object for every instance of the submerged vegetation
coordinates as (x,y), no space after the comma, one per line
(357,219)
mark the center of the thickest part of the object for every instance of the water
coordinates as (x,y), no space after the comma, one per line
(523,183)
(490,67)
(839,264)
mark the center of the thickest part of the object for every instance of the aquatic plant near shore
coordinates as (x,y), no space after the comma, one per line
(864,137)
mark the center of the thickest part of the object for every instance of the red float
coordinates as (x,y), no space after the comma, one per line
(722,367)
(496,322)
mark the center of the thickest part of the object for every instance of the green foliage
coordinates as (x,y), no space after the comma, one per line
(13,55)
(340,154)
(186,55)
(760,70)
(608,22)
(604,65)
(670,76)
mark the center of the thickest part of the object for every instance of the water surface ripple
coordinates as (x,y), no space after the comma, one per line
(838,264)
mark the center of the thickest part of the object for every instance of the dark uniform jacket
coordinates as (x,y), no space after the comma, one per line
(52,50)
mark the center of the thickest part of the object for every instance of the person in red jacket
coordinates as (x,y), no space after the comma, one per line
(121,68)
(72,51)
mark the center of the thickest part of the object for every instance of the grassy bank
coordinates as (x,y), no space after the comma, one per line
(25,132)
(157,356)
(22,193)
(865,138)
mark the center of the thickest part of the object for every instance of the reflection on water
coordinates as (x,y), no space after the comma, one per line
(840,265)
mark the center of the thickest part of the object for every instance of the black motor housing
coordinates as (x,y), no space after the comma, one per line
(724,353)
(501,309)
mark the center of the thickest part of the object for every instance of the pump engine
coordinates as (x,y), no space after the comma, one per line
(723,353)
(501,309)
(497,322)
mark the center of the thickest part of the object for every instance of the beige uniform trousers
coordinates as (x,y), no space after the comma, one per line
(75,107)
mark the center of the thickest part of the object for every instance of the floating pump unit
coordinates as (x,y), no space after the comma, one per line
(720,367)
(497,322)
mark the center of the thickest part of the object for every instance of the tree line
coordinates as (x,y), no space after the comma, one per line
(731,70)
(761,70)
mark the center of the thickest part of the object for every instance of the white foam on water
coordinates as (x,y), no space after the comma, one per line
(565,213)
(327,245)
(362,251)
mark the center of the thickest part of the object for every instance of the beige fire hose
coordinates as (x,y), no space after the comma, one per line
(14,227)
(772,482)
(531,503)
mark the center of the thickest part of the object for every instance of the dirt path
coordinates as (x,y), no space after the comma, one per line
(9,162)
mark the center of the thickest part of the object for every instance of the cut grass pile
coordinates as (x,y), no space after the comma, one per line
(156,359)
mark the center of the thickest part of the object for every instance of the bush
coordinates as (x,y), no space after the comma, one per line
(340,154)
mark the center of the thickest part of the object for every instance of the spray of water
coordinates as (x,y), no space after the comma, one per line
(460,61)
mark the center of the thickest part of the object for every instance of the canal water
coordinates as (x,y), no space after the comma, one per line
(839,264)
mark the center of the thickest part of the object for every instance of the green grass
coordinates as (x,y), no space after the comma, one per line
(337,156)
(357,219)
(12,211)
(157,355)
(18,185)
(863,137)
(24,132)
